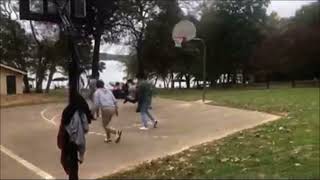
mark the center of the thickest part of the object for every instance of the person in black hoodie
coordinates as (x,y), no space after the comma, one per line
(69,150)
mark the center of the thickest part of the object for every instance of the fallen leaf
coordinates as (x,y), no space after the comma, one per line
(297,164)
(170,168)
(208,157)
(182,159)
(224,159)
(244,169)
(209,171)
(236,159)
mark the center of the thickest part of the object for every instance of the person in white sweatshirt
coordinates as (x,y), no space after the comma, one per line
(105,100)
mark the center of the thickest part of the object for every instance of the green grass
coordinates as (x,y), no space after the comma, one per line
(287,148)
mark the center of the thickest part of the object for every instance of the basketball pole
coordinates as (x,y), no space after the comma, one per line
(204,66)
(73,66)
(190,35)
(204,71)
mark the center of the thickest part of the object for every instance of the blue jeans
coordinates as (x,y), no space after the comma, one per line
(146,115)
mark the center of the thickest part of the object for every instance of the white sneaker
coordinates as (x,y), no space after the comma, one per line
(143,128)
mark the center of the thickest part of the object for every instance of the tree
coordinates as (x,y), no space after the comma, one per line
(308,15)
(41,68)
(15,47)
(56,55)
(231,30)
(298,57)
(158,52)
(135,15)
(100,22)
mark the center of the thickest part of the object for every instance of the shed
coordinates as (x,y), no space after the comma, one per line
(11,80)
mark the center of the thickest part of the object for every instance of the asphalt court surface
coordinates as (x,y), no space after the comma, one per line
(28,136)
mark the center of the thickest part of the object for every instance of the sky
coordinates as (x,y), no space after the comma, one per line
(286,8)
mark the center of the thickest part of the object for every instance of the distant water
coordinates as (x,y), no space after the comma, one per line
(114,72)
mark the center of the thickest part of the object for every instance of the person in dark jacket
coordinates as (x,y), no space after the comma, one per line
(144,103)
(69,150)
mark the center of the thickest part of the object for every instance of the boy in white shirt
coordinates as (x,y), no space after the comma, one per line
(105,100)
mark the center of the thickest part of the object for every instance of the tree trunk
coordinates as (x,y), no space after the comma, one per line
(52,71)
(26,84)
(40,74)
(140,73)
(293,83)
(164,82)
(156,80)
(234,78)
(268,81)
(96,56)
(230,78)
(187,81)
(172,80)
(212,83)
(39,85)
(244,78)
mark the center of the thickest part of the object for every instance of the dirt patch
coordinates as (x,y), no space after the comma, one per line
(28,99)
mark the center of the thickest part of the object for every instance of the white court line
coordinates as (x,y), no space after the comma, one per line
(45,118)
(96,133)
(54,123)
(26,164)
(53,118)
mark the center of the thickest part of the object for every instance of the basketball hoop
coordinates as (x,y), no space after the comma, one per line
(183,31)
(186,31)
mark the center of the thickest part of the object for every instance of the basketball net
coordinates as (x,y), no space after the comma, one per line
(178,40)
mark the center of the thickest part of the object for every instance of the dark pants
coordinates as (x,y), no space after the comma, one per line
(70,159)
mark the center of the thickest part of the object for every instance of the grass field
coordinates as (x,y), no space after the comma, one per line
(287,148)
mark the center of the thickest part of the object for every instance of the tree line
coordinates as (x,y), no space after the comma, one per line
(243,41)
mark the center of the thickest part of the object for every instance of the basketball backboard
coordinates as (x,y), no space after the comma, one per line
(46,10)
(183,31)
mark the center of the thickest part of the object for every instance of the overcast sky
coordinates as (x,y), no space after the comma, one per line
(287,8)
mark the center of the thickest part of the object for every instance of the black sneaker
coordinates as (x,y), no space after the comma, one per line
(155,124)
(106,140)
(119,133)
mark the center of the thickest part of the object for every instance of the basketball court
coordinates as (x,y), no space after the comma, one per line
(29,133)
(28,137)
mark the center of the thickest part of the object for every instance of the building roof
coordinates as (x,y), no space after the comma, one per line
(13,69)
